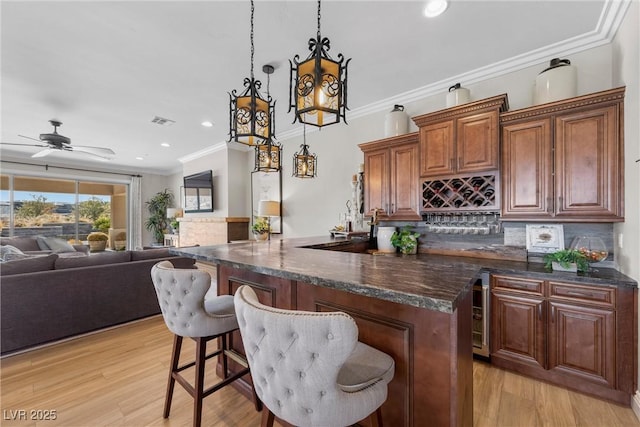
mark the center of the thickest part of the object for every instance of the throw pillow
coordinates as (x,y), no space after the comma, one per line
(58,245)
(8,252)
(42,243)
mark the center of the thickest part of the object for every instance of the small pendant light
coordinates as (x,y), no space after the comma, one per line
(305,165)
(318,85)
(250,115)
(268,153)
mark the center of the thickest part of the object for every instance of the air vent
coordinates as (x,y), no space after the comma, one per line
(162,121)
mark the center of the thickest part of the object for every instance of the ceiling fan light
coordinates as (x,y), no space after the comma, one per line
(435,8)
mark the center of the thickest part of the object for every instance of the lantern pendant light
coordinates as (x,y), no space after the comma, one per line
(305,165)
(268,153)
(250,115)
(318,85)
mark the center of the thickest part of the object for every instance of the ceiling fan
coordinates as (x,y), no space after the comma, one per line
(54,141)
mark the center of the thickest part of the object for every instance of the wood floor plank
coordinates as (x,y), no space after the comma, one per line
(117,378)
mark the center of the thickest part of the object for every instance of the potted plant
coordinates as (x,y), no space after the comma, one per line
(157,220)
(97,241)
(120,241)
(260,228)
(406,240)
(566,260)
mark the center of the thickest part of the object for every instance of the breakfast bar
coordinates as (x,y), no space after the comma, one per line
(416,308)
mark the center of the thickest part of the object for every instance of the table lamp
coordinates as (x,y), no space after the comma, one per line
(269,208)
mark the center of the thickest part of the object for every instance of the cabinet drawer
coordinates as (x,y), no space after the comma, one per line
(591,294)
(517,284)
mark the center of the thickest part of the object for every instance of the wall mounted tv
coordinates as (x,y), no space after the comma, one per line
(198,192)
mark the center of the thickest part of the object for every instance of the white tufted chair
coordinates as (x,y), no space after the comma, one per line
(308,368)
(187,314)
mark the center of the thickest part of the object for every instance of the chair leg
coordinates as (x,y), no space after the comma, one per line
(267,418)
(177,345)
(225,364)
(375,419)
(201,353)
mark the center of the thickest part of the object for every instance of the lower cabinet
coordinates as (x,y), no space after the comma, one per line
(578,335)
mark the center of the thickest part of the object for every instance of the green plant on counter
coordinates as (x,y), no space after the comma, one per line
(565,257)
(406,240)
(261,225)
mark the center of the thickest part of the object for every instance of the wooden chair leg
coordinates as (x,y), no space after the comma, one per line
(267,418)
(175,356)
(375,419)
(201,354)
(225,364)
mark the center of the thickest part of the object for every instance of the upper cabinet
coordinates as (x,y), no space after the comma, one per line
(563,161)
(391,177)
(462,139)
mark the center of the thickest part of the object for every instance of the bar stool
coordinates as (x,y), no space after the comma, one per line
(186,313)
(309,369)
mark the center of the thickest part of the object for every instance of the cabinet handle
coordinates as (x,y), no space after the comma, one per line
(540,312)
(451,163)
(553,314)
(458,164)
(549,207)
(560,199)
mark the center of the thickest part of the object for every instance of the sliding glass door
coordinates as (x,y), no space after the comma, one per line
(68,209)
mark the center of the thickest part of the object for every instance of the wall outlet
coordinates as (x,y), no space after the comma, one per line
(620,240)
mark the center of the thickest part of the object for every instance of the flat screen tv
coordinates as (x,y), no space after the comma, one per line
(198,192)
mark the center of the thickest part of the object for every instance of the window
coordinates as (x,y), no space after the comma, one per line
(68,209)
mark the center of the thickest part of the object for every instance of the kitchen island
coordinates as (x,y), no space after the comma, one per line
(416,308)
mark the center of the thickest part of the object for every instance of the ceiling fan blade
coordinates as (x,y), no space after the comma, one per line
(91,153)
(23,145)
(44,152)
(28,137)
(99,151)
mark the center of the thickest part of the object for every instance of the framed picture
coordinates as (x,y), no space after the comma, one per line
(266,186)
(545,238)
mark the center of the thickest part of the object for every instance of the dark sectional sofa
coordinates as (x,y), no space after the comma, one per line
(48,298)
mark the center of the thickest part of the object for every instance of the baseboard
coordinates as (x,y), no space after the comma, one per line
(635,404)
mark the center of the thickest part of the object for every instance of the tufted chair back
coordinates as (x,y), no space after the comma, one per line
(181,297)
(296,358)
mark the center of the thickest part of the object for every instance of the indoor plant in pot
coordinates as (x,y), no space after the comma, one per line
(406,240)
(260,228)
(120,241)
(157,221)
(97,241)
(566,260)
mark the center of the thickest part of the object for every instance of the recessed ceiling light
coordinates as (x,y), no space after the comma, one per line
(165,144)
(139,158)
(207,124)
(434,8)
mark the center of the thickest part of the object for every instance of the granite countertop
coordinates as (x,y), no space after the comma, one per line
(436,282)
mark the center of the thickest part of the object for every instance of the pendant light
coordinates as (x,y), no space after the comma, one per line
(318,85)
(268,153)
(305,165)
(250,114)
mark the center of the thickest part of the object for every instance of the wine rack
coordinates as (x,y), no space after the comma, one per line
(460,193)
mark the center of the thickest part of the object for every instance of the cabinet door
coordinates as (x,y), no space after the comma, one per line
(517,328)
(437,149)
(527,170)
(588,164)
(376,180)
(477,142)
(404,192)
(582,342)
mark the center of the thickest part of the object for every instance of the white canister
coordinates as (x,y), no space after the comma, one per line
(556,82)
(457,95)
(384,239)
(396,122)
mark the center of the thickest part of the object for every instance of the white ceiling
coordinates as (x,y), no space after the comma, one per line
(105,69)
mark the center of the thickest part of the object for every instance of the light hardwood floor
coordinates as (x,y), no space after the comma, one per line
(118,378)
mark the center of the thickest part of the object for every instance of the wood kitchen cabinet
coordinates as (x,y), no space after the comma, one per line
(563,161)
(391,179)
(462,139)
(577,335)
